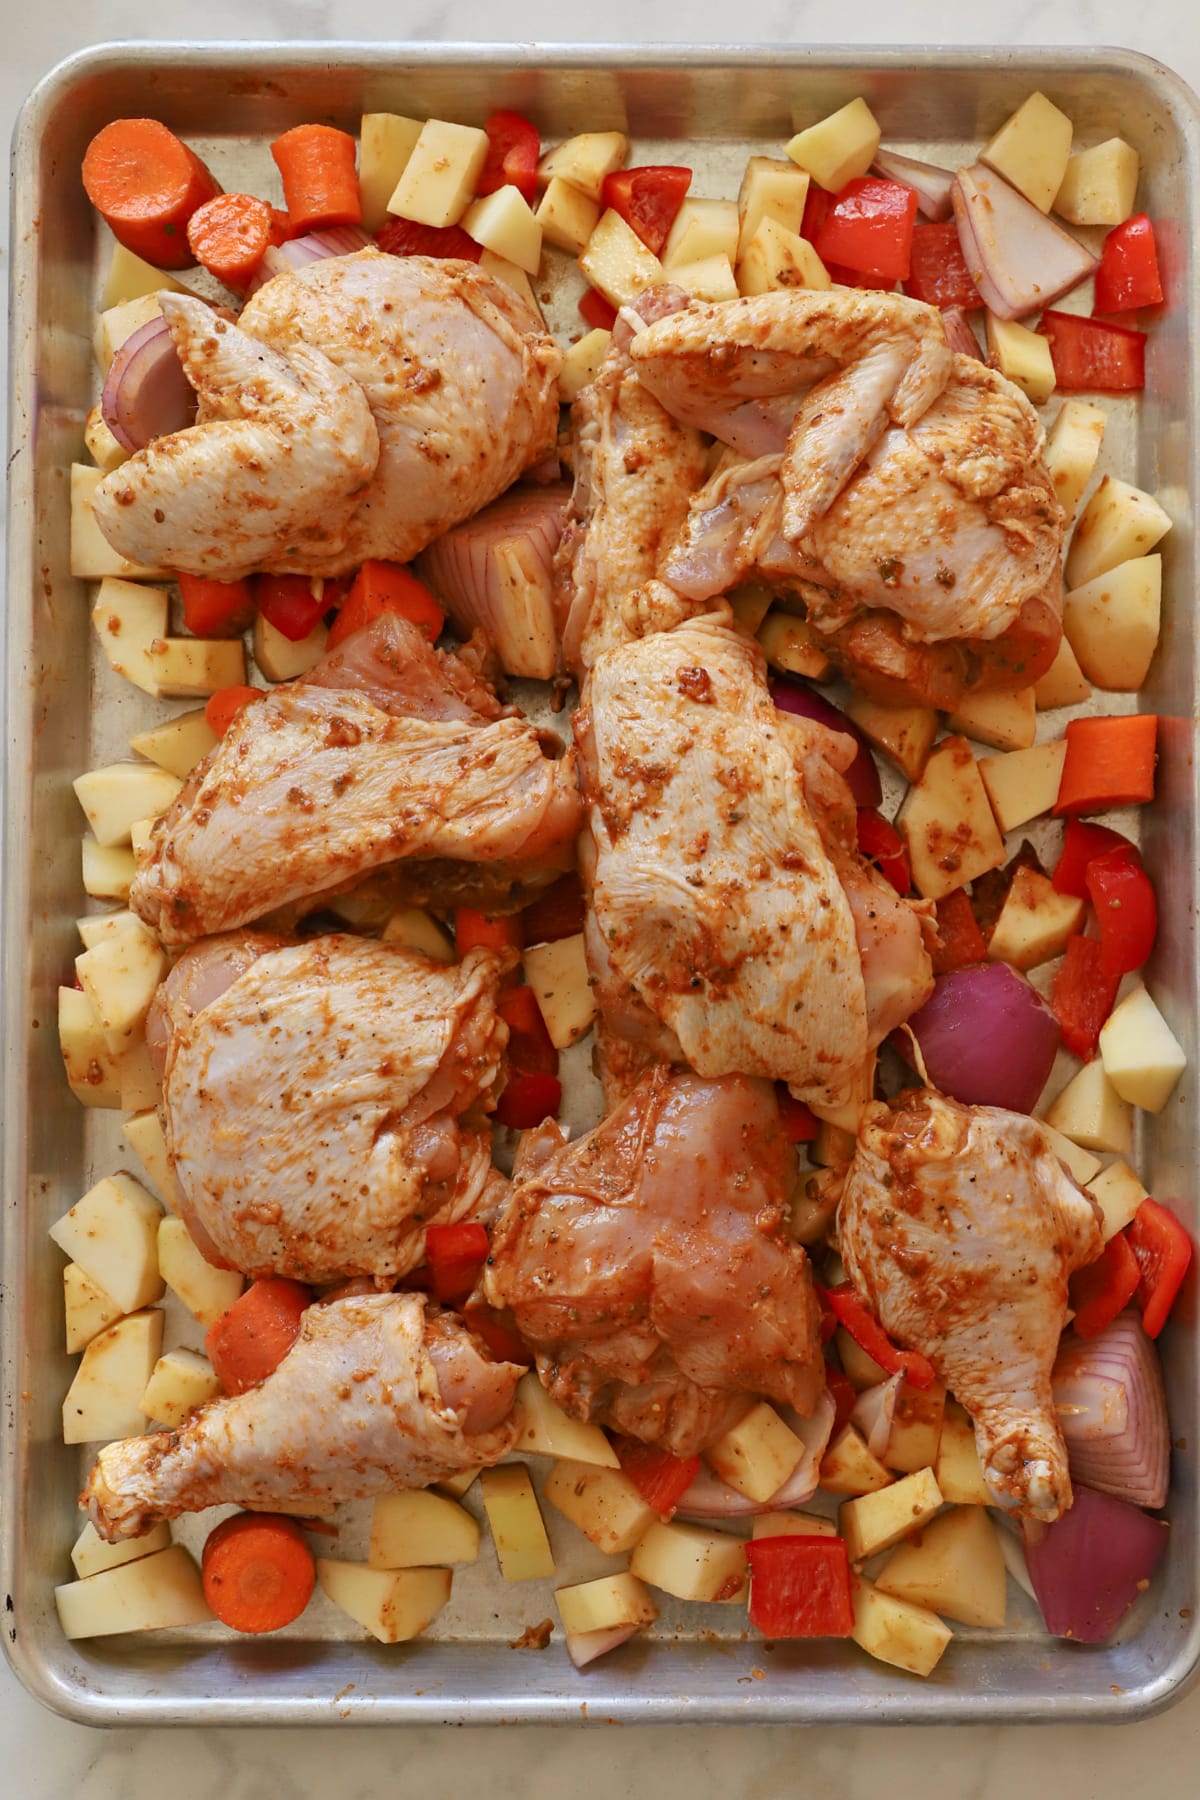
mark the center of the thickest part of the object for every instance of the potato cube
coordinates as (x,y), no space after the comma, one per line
(385,143)
(414,929)
(150,1593)
(1021,355)
(947,823)
(120,977)
(439,178)
(1035,922)
(1118,522)
(108,869)
(421,1530)
(581,363)
(140,833)
(1142,1057)
(618,263)
(144,1135)
(1023,784)
(102,446)
(777,258)
(117,324)
(137,1077)
(1072,448)
(1006,719)
(91,1068)
(691,1562)
(130,278)
(92,556)
(558,975)
(873,1522)
(504,223)
(1100,184)
(711,278)
(838,148)
(88,1309)
(278,658)
(113,797)
(916,1428)
(750,605)
(104,1401)
(860,1368)
(457,1485)
(129,618)
(904,734)
(207,1292)
(567,215)
(1031,150)
(757,1455)
(544,1429)
(90,1555)
(848,1467)
(191,668)
(181,1381)
(1118,1193)
(394,1605)
(178,744)
(585,160)
(94,928)
(1112,623)
(701,228)
(612,1600)
(513,276)
(1080,1163)
(1064,683)
(956,1569)
(958,1469)
(603,1503)
(522,1547)
(773,188)
(792,1524)
(897,1632)
(790,644)
(112,1234)
(1090,1112)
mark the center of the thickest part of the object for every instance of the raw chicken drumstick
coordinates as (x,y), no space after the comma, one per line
(373,1396)
(960,1227)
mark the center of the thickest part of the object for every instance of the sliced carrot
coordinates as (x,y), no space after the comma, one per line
(257,1571)
(223,707)
(1109,762)
(320,182)
(474,930)
(146,185)
(381,587)
(255,1335)
(215,608)
(229,234)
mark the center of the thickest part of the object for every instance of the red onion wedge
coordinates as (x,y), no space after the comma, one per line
(987,1037)
(1018,258)
(277,259)
(1088,1567)
(797,697)
(930,184)
(1113,1412)
(875,1412)
(146,393)
(710,1498)
(960,333)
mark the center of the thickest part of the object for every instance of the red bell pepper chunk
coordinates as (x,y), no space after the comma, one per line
(454,1255)
(844,1395)
(938,272)
(1126,910)
(1091,357)
(1082,995)
(660,1478)
(499,1332)
(648,199)
(1128,274)
(1104,1288)
(529,1046)
(405,237)
(527,1100)
(1081,844)
(869,228)
(557,913)
(800,1124)
(215,608)
(960,942)
(800,1587)
(817,203)
(1162,1250)
(512,155)
(223,707)
(596,311)
(881,843)
(850,1310)
(293,604)
(841,276)
(474,930)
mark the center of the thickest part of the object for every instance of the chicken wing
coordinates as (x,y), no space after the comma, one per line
(960,1227)
(374,1395)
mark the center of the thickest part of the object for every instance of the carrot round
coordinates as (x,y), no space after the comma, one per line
(229,234)
(146,185)
(257,1571)
(320,182)
(223,707)
(255,1335)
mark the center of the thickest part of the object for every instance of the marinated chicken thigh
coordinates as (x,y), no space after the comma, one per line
(648,1264)
(960,1228)
(374,1395)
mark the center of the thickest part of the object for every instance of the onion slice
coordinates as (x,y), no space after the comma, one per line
(1089,1566)
(930,184)
(1018,258)
(797,697)
(987,1038)
(1112,1411)
(875,1412)
(314,246)
(710,1498)
(146,393)
(960,334)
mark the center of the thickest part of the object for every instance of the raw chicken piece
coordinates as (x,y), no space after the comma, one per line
(387,753)
(648,1264)
(373,1396)
(324,1101)
(455,386)
(960,1227)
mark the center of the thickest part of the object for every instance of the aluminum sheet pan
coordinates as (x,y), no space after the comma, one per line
(709,106)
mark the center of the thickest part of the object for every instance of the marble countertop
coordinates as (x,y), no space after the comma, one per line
(45,1757)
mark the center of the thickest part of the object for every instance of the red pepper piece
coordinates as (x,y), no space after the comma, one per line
(800,1587)
(215,608)
(841,276)
(648,199)
(289,603)
(845,1397)
(660,1478)
(512,155)
(1128,274)
(474,930)
(454,1255)
(529,1046)
(850,1310)
(1081,844)
(596,311)
(1104,1288)
(499,1332)
(527,1100)
(223,707)
(800,1124)
(869,228)
(404,237)
(557,913)
(881,843)
(817,203)
(1126,910)
(1091,357)
(938,272)
(381,587)
(1082,995)
(960,941)
(1162,1250)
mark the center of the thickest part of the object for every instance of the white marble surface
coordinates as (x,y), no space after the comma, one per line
(44,1757)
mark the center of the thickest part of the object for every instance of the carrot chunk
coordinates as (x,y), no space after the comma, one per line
(146,185)
(257,1571)
(255,1335)
(381,587)
(229,234)
(1109,762)
(474,930)
(320,182)
(223,707)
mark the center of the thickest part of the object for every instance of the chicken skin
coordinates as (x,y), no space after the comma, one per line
(374,1395)
(387,754)
(324,1101)
(960,1228)
(649,1267)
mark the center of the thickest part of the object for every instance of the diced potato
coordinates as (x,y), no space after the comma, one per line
(1118,522)
(558,975)
(1021,355)
(603,1503)
(522,1547)
(1023,784)
(129,618)
(92,556)
(581,363)
(618,263)
(757,1455)
(457,1485)
(1031,150)
(137,1077)
(1004,718)
(1064,683)
(278,659)
(860,1368)
(792,1524)
(207,1292)
(897,1632)
(91,1555)
(439,178)
(88,1309)
(691,1562)
(916,1428)
(585,160)
(773,188)
(1112,623)
(130,278)
(612,1600)
(838,148)
(567,215)
(1142,1057)
(1035,922)
(1072,449)
(513,276)
(117,323)
(947,823)
(750,605)
(385,143)
(1081,1163)
(112,1233)
(182,1380)
(711,278)
(144,1135)
(544,1429)
(956,1569)
(140,833)
(120,977)
(777,258)
(504,223)
(104,1401)
(91,1068)
(94,928)
(1100,184)
(421,1530)
(1090,1112)
(790,644)
(904,734)
(394,1605)
(874,1522)
(150,1593)
(701,228)
(1118,1193)
(832,1148)
(108,869)
(414,929)
(114,796)
(958,1469)
(190,668)
(102,446)
(848,1467)
(178,744)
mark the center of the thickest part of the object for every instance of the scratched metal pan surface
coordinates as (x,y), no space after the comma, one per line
(709,107)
